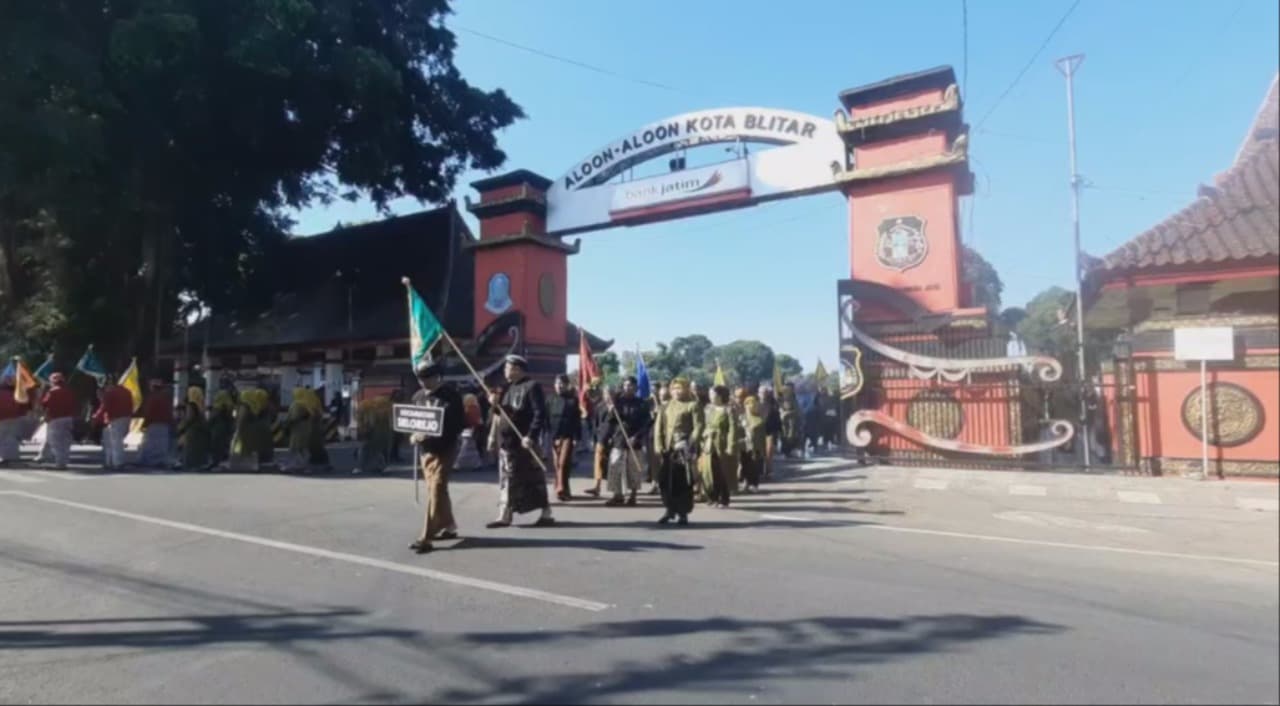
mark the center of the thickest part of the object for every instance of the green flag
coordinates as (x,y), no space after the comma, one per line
(424,328)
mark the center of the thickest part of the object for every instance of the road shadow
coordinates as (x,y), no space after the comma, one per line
(746,654)
(189,631)
(527,540)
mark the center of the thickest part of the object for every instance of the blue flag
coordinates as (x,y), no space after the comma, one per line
(642,377)
(91,366)
(43,372)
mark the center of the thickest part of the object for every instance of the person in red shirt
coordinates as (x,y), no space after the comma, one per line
(114,413)
(11,417)
(59,405)
(157,425)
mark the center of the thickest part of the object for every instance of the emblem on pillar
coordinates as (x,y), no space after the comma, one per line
(499,299)
(901,244)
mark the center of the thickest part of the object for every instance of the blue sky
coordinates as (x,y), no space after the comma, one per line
(1162,102)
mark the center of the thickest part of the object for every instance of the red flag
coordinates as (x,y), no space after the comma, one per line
(587,371)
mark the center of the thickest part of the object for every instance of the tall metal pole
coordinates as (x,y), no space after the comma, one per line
(1067,66)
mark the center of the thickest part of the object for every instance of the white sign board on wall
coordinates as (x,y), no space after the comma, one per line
(809,158)
(1204,343)
(688,188)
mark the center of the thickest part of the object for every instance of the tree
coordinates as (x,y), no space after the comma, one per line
(158,144)
(691,352)
(745,362)
(788,366)
(981,278)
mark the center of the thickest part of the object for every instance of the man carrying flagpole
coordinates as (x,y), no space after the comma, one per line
(119,401)
(522,408)
(16,385)
(59,405)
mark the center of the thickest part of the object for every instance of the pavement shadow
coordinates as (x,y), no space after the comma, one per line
(188,631)
(749,652)
(527,541)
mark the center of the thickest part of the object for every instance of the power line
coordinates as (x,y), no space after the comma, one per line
(1031,62)
(566,60)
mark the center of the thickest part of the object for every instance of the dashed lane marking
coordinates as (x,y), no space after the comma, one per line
(17,477)
(1137,496)
(407,569)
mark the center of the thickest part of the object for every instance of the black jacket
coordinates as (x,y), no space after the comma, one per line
(445,396)
(525,404)
(636,419)
(564,417)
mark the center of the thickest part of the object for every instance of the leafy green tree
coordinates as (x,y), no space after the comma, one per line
(159,144)
(981,279)
(788,366)
(745,362)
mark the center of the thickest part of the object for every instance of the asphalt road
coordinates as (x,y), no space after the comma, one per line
(194,588)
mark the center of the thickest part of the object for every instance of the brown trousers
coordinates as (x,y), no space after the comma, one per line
(436,469)
(563,449)
(601,468)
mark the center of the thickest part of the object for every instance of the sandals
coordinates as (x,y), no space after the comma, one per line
(593,492)
(498,524)
(420,546)
(545,522)
(448,534)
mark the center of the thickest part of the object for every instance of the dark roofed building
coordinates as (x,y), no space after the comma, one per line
(1213,263)
(338,318)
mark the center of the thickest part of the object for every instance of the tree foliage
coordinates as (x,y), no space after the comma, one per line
(981,278)
(695,356)
(154,147)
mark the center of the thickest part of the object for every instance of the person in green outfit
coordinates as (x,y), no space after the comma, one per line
(193,432)
(720,448)
(248,438)
(221,428)
(680,430)
(373,420)
(753,452)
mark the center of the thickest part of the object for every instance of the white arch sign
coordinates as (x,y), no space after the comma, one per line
(811,156)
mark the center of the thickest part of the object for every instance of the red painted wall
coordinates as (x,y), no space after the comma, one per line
(525,264)
(1161,433)
(933,283)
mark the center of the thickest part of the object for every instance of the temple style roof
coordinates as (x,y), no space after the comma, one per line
(344,285)
(1234,220)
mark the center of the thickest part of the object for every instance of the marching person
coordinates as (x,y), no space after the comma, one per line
(438,454)
(753,452)
(115,412)
(222,424)
(157,421)
(629,423)
(772,427)
(661,395)
(720,445)
(12,413)
(59,404)
(603,442)
(194,431)
(566,427)
(522,486)
(680,427)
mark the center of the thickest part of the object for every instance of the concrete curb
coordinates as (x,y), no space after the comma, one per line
(1248,495)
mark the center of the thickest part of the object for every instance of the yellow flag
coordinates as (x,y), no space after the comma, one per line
(820,374)
(719,379)
(130,382)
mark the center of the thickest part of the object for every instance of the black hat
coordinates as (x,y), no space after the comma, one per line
(427,369)
(517,360)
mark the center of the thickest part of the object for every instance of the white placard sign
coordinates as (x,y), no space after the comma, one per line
(412,419)
(810,155)
(1204,343)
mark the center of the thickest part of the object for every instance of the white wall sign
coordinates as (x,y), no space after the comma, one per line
(718,183)
(813,153)
(1204,343)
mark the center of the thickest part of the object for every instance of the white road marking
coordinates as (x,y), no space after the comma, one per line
(18,477)
(930,484)
(1138,496)
(1263,504)
(786,518)
(1033,490)
(1060,545)
(62,475)
(1041,519)
(518,591)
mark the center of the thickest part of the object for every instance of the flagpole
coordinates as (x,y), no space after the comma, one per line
(501,413)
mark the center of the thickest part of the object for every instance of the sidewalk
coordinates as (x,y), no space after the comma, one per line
(1247,495)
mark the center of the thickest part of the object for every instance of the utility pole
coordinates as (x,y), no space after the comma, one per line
(1067,67)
